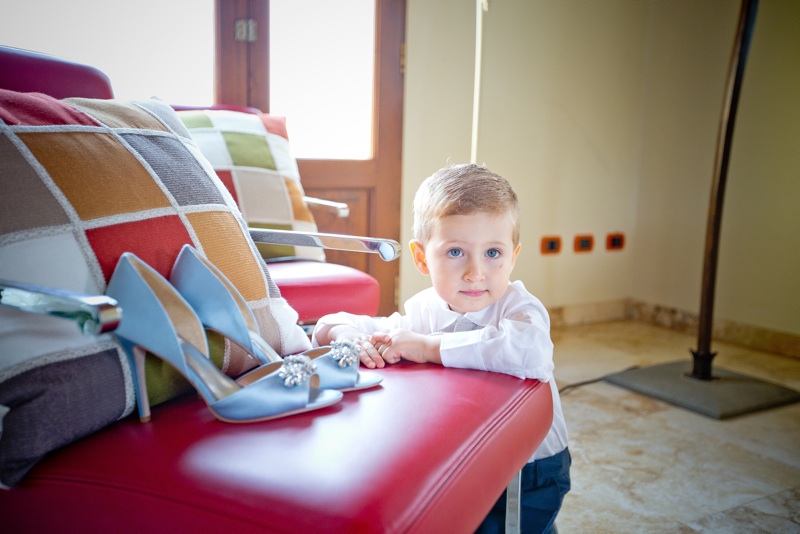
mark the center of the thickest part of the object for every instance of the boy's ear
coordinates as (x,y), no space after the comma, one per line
(516,253)
(418,255)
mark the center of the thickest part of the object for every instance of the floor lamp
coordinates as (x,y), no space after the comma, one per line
(693,385)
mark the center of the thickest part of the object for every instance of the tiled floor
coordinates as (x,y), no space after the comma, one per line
(641,465)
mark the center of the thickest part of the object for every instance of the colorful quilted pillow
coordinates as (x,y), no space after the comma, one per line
(84,181)
(250,154)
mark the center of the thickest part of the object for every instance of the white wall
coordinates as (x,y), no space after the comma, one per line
(759,264)
(604,116)
(688,50)
(560,116)
(437,121)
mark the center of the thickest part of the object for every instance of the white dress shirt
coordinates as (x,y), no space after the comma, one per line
(513,337)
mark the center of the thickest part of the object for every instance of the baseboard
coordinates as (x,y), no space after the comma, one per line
(750,336)
(598,312)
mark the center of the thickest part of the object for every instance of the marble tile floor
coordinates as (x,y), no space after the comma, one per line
(642,465)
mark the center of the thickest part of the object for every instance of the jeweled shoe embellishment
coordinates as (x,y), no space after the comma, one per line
(296,369)
(345,352)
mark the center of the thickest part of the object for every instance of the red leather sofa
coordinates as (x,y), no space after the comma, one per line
(429,450)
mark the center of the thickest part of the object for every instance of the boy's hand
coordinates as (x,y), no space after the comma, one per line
(407,345)
(340,332)
(369,355)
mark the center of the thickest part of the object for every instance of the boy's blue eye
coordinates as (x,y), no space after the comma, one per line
(493,253)
(455,253)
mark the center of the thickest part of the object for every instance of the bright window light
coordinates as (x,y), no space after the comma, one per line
(322,57)
(148,48)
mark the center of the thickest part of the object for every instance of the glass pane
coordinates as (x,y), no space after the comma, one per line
(321,75)
(147,48)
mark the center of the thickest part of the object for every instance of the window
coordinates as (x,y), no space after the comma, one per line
(322,57)
(147,48)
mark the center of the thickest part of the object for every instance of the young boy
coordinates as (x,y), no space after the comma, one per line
(466,238)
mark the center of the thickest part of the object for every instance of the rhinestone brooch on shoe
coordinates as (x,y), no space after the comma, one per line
(345,352)
(296,369)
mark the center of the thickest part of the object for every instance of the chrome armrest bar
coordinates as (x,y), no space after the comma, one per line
(342,209)
(94,314)
(387,249)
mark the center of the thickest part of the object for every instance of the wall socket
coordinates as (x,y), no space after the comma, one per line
(615,241)
(584,243)
(551,244)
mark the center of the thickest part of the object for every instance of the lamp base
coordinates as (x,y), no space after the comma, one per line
(728,394)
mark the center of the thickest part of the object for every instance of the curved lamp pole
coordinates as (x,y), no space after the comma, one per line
(703,355)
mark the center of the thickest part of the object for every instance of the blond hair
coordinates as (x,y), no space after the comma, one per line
(463,190)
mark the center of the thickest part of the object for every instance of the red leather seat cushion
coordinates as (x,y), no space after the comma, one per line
(429,450)
(315,289)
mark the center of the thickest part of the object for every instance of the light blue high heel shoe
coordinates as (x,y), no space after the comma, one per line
(156,319)
(222,308)
(218,303)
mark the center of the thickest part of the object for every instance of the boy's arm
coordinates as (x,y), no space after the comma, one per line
(340,327)
(328,333)
(516,348)
(518,345)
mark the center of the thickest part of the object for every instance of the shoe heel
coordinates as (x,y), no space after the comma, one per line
(136,356)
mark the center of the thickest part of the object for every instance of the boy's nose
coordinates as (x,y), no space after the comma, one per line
(474,272)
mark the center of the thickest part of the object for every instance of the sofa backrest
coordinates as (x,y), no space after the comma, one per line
(33,72)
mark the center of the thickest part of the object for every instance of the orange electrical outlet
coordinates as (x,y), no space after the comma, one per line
(551,244)
(584,243)
(615,241)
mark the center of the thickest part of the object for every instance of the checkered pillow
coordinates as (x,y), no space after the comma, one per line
(82,182)
(251,155)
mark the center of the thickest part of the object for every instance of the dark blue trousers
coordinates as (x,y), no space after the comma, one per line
(544,484)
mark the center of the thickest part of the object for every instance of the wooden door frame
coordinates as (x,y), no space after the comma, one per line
(236,81)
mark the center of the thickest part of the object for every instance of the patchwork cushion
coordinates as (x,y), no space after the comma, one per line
(84,181)
(250,154)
